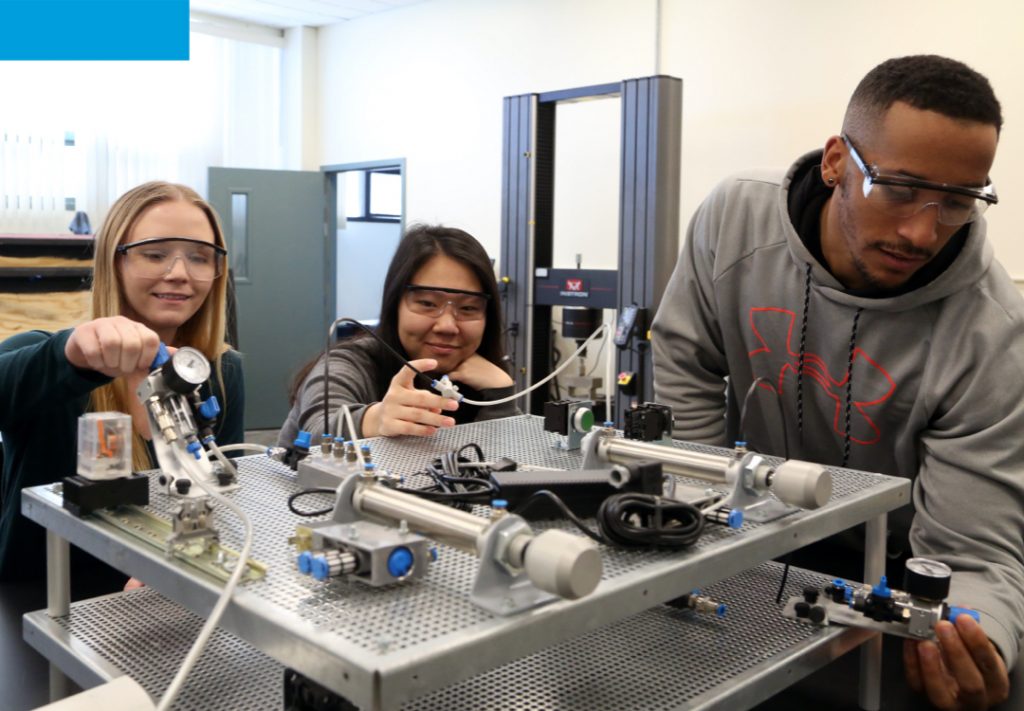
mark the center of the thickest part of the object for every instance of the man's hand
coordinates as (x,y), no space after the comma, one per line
(406,410)
(114,346)
(962,672)
(480,374)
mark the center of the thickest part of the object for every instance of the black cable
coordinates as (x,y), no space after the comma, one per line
(782,585)
(631,520)
(557,500)
(475,446)
(450,485)
(556,355)
(327,358)
(306,492)
(785,449)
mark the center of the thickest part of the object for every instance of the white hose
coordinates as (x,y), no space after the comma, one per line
(222,602)
(559,369)
(609,382)
(345,414)
(246,447)
(219,453)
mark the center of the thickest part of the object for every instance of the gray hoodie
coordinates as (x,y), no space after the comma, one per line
(354,370)
(935,392)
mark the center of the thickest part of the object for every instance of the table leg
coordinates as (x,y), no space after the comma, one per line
(58,601)
(871,651)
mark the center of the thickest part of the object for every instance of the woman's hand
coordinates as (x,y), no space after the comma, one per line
(480,374)
(406,410)
(114,346)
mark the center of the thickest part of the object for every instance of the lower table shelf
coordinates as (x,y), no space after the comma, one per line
(663,658)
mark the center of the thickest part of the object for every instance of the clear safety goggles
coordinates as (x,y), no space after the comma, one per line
(432,301)
(902,196)
(155,258)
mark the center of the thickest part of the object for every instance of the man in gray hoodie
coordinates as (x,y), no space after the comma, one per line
(858,290)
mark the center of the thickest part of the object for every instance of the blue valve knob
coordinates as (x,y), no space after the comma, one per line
(955,612)
(162,356)
(882,589)
(721,610)
(400,562)
(302,441)
(210,409)
(305,562)
(194,448)
(499,504)
(735,519)
(320,568)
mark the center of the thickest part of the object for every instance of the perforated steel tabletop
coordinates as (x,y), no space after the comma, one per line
(660,659)
(381,647)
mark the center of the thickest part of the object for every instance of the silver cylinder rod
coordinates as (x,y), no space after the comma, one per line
(443,523)
(682,462)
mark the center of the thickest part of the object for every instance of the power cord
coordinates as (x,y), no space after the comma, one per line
(222,602)
(306,492)
(785,450)
(633,520)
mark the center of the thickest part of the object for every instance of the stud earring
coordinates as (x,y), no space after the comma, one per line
(831,181)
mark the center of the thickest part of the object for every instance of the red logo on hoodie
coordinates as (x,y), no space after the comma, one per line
(873,384)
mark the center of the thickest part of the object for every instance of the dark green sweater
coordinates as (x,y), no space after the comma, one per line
(41,398)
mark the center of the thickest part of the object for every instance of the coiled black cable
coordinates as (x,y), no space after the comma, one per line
(307,492)
(633,520)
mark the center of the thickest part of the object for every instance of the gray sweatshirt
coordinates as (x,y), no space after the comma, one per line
(935,392)
(354,368)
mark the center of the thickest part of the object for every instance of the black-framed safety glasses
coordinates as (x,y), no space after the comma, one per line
(155,258)
(903,196)
(433,300)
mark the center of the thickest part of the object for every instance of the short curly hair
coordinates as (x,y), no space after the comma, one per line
(926,82)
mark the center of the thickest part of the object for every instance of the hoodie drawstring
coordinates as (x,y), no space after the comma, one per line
(800,370)
(800,360)
(849,387)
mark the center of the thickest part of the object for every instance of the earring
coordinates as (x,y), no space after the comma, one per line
(830,180)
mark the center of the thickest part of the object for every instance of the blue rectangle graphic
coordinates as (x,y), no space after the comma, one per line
(94,29)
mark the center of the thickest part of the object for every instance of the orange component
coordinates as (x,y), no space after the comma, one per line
(107,445)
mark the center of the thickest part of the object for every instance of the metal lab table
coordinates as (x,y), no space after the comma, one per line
(381,648)
(662,658)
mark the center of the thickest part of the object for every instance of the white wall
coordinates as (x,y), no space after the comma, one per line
(763,82)
(426,83)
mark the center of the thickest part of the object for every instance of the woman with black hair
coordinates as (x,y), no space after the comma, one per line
(440,310)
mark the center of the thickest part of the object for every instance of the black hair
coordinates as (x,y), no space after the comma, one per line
(419,244)
(927,82)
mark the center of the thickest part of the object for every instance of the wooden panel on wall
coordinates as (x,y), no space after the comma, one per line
(6,261)
(46,311)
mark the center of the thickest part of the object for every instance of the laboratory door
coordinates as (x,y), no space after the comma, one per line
(283,267)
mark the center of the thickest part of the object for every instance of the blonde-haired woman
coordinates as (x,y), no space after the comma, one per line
(160,274)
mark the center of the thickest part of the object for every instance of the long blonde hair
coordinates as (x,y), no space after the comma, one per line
(204,331)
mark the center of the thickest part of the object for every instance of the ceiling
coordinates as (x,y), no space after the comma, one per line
(282,14)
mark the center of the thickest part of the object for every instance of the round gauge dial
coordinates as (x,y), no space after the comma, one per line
(930,568)
(928,579)
(191,366)
(186,370)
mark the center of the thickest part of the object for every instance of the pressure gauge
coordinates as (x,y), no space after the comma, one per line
(927,579)
(186,370)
